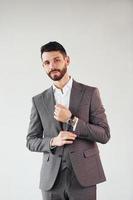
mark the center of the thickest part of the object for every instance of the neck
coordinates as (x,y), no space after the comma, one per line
(61,83)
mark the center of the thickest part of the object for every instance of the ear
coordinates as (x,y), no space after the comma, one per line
(68,60)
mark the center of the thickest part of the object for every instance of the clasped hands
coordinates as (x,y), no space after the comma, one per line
(63,114)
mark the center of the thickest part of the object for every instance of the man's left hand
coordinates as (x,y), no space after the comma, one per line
(62,113)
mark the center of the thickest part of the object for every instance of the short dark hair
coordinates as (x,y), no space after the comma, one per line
(53,46)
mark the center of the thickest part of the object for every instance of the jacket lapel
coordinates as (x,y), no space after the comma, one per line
(76,97)
(49,103)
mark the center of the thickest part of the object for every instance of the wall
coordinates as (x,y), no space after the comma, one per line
(98,38)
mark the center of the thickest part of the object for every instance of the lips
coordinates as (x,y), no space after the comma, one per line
(54,72)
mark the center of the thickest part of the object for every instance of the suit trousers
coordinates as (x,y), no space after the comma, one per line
(67,187)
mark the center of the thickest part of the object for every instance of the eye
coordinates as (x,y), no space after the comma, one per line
(57,60)
(46,62)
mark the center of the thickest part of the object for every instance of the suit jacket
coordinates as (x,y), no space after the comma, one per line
(92,127)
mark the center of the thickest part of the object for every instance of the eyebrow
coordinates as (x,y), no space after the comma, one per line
(53,58)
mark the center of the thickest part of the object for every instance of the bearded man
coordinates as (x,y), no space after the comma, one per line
(67,120)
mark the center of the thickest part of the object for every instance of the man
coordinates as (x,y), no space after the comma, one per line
(66,122)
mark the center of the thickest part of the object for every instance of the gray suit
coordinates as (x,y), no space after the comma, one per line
(92,127)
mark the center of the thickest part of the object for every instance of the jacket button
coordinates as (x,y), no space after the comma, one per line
(72,152)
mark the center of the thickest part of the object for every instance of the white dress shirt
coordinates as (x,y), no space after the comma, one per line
(62,96)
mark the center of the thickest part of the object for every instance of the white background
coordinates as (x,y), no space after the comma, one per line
(98,37)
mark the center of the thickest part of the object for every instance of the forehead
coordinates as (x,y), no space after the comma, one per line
(51,55)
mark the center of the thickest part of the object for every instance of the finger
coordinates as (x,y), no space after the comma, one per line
(56,118)
(67,133)
(57,108)
(56,113)
(67,142)
(70,133)
(68,138)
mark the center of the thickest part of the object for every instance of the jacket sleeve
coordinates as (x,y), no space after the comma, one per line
(97,128)
(35,139)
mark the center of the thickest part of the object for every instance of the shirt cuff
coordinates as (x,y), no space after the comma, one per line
(75,124)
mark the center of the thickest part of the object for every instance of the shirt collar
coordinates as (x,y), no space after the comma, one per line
(67,87)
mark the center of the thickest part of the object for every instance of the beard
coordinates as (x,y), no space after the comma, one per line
(57,74)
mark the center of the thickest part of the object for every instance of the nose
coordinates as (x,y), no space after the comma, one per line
(52,65)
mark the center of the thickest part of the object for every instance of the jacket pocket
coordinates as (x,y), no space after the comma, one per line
(90,152)
(87,167)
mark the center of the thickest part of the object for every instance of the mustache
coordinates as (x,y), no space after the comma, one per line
(54,70)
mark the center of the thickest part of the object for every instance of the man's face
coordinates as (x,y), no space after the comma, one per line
(55,64)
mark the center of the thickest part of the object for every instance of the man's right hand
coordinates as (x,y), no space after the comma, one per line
(64,137)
